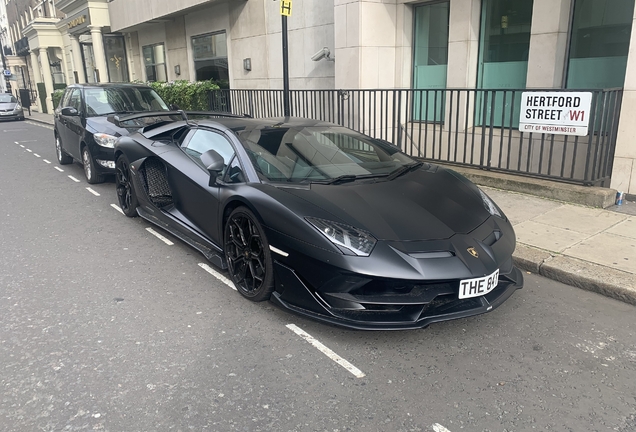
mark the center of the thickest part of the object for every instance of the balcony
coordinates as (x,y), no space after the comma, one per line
(126,14)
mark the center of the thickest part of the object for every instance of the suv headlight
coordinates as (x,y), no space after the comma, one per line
(18,107)
(105,140)
(490,205)
(359,242)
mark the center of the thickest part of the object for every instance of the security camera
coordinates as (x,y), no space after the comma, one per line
(322,54)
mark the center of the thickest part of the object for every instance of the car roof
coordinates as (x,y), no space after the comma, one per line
(108,85)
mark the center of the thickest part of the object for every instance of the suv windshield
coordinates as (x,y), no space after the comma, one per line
(319,154)
(7,98)
(114,100)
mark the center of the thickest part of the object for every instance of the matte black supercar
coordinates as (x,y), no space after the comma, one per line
(326,222)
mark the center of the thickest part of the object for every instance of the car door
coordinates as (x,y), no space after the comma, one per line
(61,120)
(189,179)
(70,129)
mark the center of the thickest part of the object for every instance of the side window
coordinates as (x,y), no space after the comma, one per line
(204,140)
(66,98)
(76,100)
(235,172)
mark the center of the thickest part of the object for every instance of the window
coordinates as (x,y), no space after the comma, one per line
(430,60)
(115,50)
(210,58)
(504,46)
(204,140)
(599,45)
(111,100)
(64,102)
(155,62)
(75,101)
(235,172)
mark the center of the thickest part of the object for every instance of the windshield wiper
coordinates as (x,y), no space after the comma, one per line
(403,170)
(337,180)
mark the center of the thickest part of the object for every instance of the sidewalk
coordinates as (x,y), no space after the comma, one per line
(39,117)
(587,247)
(590,248)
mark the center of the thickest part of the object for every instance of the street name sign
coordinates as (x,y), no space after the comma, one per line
(560,113)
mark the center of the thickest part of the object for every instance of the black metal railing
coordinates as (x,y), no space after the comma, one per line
(471,127)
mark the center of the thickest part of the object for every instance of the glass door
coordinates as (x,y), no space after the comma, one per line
(504,45)
(430,61)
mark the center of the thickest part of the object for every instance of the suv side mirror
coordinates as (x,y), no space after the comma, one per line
(214,163)
(69,112)
(174,107)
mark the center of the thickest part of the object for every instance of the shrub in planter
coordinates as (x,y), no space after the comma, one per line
(57,97)
(186,95)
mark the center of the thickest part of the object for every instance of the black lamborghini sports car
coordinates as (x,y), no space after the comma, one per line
(322,220)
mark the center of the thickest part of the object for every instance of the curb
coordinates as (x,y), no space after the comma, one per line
(590,196)
(606,281)
(39,121)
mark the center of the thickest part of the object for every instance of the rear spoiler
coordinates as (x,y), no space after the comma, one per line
(183,114)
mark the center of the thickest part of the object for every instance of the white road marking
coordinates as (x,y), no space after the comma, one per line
(326,351)
(217,275)
(59,169)
(26,141)
(439,428)
(46,161)
(92,191)
(17,142)
(21,146)
(37,124)
(159,236)
(74,179)
(116,207)
(29,150)
(36,155)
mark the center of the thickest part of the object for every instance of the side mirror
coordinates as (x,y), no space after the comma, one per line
(214,163)
(69,112)
(174,107)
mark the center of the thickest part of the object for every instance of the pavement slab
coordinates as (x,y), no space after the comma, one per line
(580,219)
(546,236)
(627,228)
(609,250)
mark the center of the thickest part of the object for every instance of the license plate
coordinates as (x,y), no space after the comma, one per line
(476,287)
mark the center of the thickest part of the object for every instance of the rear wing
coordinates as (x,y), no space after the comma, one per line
(119,120)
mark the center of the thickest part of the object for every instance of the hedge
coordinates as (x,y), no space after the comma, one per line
(57,97)
(186,95)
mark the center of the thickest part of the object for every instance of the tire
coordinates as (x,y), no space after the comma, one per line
(89,167)
(62,157)
(248,256)
(126,194)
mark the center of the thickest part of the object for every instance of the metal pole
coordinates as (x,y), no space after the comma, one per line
(286,109)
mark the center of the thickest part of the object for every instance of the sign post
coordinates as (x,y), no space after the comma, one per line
(559,113)
(285,11)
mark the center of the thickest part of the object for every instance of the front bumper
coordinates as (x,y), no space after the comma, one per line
(422,305)
(12,115)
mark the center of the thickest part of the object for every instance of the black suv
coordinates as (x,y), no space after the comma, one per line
(85,129)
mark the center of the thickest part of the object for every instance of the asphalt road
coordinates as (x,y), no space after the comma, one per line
(104,326)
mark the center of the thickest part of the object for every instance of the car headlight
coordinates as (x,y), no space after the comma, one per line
(490,205)
(359,242)
(18,107)
(105,140)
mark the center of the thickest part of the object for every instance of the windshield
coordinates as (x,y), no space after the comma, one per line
(7,98)
(122,100)
(308,154)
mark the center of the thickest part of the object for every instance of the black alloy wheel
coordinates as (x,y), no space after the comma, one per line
(248,256)
(125,190)
(62,157)
(89,168)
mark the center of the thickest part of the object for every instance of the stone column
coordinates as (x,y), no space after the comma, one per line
(48,78)
(624,171)
(98,52)
(76,56)
(37,76)
(548,43)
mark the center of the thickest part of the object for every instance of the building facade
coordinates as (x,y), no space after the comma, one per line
(372,44)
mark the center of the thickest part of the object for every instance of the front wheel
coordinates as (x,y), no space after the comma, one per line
(248,256)
(89,168)
(125,189)
(62,157)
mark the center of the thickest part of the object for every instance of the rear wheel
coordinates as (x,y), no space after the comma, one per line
(125,189)
(62,157)
(89,168)
(248,256)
